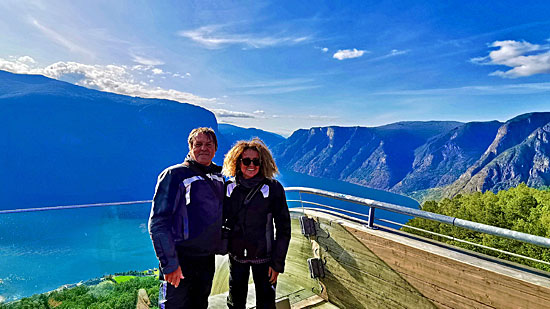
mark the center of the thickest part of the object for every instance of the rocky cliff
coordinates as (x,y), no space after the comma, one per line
(378,157)
(64,144)
(519,153)
(407,157)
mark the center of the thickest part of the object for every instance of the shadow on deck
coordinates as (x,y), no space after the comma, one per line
(386,268)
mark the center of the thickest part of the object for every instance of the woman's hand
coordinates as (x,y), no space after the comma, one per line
(272,274)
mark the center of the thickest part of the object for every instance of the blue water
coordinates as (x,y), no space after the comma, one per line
(292,179)
(41,251)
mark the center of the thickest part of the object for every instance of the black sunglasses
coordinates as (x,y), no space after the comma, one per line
(247,161)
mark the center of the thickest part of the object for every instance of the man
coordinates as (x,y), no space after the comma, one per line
(185,224)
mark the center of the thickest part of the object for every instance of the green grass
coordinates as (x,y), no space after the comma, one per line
(104,295)
(120,279)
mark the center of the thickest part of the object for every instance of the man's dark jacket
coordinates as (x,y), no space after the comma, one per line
(186,214)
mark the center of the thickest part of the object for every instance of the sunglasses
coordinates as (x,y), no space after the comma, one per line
(247,161)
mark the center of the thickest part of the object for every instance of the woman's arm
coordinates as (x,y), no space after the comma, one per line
(281,217)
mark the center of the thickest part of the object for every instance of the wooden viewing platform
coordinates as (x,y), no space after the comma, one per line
(387,268)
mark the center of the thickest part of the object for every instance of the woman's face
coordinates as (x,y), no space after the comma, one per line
(250,163)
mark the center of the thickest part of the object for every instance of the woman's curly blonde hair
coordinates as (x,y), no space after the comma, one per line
(267,166)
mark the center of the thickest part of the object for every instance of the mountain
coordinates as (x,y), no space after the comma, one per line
(65,144)
(378,157)
(444,158)
(234,133)
(519,153)
(416,157)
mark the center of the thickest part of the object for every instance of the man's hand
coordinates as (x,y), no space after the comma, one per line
(272,274)
(175,277)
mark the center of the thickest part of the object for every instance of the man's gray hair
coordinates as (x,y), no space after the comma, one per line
(208,131)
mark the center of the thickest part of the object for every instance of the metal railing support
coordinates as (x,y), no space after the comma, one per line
(370,223)
(474,226)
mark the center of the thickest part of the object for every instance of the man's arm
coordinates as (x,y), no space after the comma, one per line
(160,224)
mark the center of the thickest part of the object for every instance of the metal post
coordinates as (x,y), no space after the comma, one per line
(370,223)
(302,203)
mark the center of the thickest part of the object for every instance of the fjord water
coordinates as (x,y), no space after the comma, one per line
(41,251)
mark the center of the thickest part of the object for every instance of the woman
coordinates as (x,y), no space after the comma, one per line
(253,202)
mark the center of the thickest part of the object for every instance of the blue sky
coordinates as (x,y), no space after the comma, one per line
(284,65)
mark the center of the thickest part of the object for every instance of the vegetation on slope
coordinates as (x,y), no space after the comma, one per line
(521,209)
(107,294)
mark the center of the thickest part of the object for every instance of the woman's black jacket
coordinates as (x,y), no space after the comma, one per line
(252,232)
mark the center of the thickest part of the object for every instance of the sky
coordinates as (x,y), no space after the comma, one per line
(285,65)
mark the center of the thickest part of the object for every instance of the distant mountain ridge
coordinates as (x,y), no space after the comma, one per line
(65,144)
(445,157)
(377,157)
(408,157)
(519,153)
(235,133)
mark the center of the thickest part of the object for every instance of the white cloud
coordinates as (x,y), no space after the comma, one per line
(186,75)
(301,39)
(322,117)
(110,78)
(348,54)
(276,86)
(157,71)
(26,59)
(61,39)
(276,90)
(213,36)
(396,52)
(524,58)
(223,113)
(393,53)
(14,66)
(146,61)
(511,89)
(117,79)
(324,49)
(306,117)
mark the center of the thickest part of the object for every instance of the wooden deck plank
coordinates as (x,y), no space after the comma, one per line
(383,244)
(482,287)
(357,278)
(478,284)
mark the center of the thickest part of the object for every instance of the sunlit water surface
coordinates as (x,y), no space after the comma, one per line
(41,251)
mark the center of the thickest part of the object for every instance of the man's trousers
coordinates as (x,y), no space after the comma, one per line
(194,288)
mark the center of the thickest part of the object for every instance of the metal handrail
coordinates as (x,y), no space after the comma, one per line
(12,211)
(372,204)
(474,226)
(340,210)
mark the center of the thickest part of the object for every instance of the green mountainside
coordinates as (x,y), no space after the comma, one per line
(520,208)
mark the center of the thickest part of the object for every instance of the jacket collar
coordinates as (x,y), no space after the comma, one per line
(212,168)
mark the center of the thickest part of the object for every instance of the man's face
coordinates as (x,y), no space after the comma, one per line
(203,149)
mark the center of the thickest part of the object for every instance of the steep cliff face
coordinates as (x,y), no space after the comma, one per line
(508,159)
(444,158)
(414,156)
(376,157)
(527,162)
(65,144)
